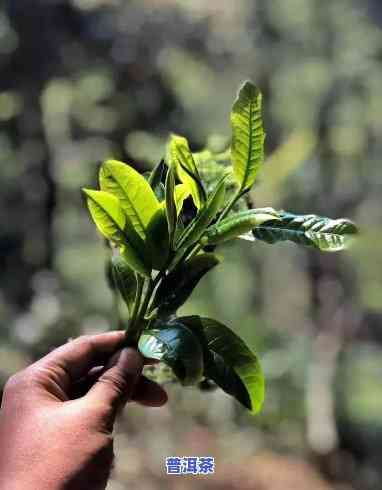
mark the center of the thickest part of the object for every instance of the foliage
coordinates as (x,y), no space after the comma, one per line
(166,248)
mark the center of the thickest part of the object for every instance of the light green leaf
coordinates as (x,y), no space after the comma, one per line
(247,149)
(177,286)
(181,194)
(178,347)
(171,213)
(237,224)
(328,235)
(229,362)
(125,280)
(183,162)
(198,225)
(133,191)
(107,214)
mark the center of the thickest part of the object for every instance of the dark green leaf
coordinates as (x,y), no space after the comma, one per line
(134,260)
(170,204)
(247,148)
(177,286)
(179,230)
(237,224)
(157,179)
(125,280)
(229,362)
(178,347)
(198,225)
(326,234)
(157,242)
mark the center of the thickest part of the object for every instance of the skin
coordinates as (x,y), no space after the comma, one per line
(57,415)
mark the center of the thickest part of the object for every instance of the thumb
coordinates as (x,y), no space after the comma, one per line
(116,385)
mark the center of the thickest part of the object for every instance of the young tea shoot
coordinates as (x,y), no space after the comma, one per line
(164,230)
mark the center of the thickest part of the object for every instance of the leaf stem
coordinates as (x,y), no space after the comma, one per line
(146,300)
(182,256)
(230,205)
(156,281)
(136,328)
(131,330)
(194,251)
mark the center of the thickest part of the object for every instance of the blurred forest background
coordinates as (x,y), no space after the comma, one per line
(82,80)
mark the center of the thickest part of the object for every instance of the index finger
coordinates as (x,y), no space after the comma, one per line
(74,359)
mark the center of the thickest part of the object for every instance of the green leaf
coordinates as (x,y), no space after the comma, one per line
(133,191)
(156,179)
(198,225)
(177,286)
(107,214)
(110,219)
(178,347)
(229,362)
(183,162)
(212,166)
(157,243)
(125,280)
(247,149)
(181,194)
(170,204)
(328,235)
(134,260)
(237,224)
(178,233)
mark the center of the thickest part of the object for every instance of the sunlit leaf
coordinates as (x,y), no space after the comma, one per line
(229,362)
(182,160)
(237,224)
(107,214)
(134,193)
(125,280)
(328,235)
(177,286)
(181,193)
(178,347)
(247,149)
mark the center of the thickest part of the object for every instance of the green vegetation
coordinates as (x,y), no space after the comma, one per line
(161,249)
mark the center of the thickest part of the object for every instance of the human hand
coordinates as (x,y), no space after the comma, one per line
(57,415)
